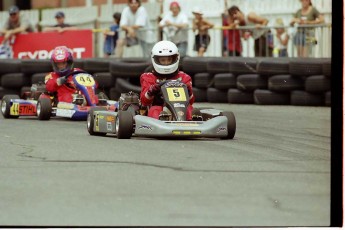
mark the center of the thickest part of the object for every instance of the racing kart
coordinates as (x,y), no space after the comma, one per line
(131,118)
(38,102)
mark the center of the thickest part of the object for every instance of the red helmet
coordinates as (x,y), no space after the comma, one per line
(62,54)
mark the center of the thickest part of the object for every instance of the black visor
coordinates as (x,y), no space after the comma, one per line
(164,60)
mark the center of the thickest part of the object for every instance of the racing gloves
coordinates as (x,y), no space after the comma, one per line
(60,81)
(153,90)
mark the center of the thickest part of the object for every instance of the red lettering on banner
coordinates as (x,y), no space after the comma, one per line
(27,110)
(39,45)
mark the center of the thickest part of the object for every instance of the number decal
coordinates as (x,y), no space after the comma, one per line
(85,80)
(14,109)
(176,94)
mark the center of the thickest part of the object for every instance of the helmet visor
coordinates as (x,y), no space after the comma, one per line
(165,60)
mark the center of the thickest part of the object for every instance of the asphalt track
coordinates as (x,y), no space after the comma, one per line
(276,172)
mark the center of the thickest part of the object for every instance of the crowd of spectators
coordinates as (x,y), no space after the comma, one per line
(237,26)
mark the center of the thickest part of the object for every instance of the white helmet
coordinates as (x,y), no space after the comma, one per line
(165,49)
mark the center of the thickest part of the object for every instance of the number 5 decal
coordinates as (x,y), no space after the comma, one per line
(176,94)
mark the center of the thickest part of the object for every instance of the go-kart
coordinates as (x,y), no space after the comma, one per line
(38,102)
(131,118)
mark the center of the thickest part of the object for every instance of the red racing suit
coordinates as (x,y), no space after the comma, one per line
(64,91)
(156,103)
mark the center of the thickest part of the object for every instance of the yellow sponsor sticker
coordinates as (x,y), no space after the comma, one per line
(85,80)
(14,109)
(176,94)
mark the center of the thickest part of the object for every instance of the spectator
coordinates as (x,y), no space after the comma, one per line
(202,39)
(112,35)
(15,24)
(307,15)
(258,34)
(281,39)
(231,37)
(135,21)
(175,25)
(60,26)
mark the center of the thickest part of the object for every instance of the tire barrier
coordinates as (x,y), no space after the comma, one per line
(237,80)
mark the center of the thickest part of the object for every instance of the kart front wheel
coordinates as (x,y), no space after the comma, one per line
(231,124)
(124,124)
(6,106)
(91,121)
(44,109)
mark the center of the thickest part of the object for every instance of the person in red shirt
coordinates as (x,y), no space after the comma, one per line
(60,80)
(165,60)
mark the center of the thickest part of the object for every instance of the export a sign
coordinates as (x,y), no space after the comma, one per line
(39,45)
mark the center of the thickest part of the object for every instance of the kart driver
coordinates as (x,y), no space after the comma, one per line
(60,81)
(165,60)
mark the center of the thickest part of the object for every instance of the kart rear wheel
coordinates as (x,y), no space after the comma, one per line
(6,105)
(44,109)
(91,121)
(231,124)
(124,124)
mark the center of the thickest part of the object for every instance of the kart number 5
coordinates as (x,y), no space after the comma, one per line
(176,94)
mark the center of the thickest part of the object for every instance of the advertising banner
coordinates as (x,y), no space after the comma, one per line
(39,45)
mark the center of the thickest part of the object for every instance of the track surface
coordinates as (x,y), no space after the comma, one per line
(276,172)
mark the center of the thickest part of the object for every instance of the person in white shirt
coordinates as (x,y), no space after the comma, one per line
(175,27)
(136,23)
(280,40)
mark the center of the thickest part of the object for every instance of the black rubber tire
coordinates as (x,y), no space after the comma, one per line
(123,86)
(299,97)
(317,84)
(45,109)
(231,124)
(200,94)
(251,82)
(79,63)
(97,65)
(15,80)
(217,95)
(236,96)
(114,94)
(327,67)
(38,77)
(90,121)
(241,65)
(273,66)
(202,80)
(193,65)
(124,69)
(225,81)
(105,80)
(10,66)
(7,107)
(285,83)
(5,91)
(305,66)
(218,65)
(31,66)
(267,97)
(125,125)
(328,98)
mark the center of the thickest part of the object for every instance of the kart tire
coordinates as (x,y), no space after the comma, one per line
(285,83)
(217,95)
(251,82)
(200,94)
(44,109)
(236,96)
(305,66)
(91,119)
(15,80)
(6,105)
(202,80)
(299,97)
(267,97)
(30,66)
(317,84)
(231,124)
(104,80)
(273,66)
(124,124)
(123,86)
(224,81)
(38,77)
(10,66)
(97,65)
